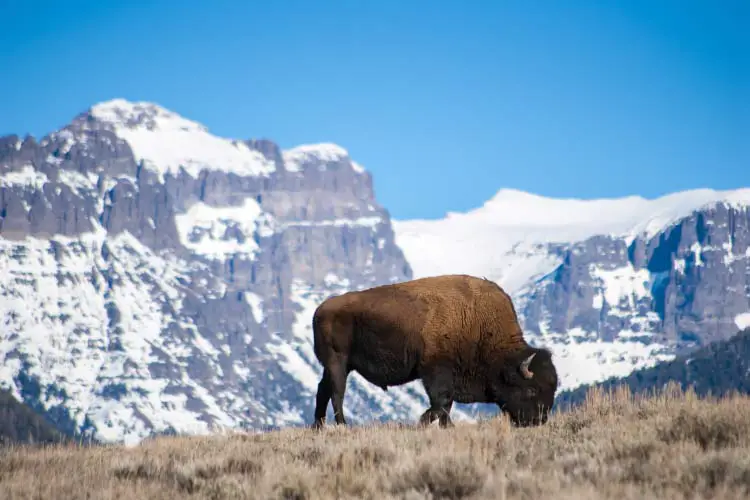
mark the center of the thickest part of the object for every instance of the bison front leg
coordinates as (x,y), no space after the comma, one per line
(438,384)
(339,374)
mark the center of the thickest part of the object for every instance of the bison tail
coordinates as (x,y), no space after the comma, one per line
(318,335)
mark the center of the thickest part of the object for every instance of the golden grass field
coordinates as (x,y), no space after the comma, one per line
(671,445)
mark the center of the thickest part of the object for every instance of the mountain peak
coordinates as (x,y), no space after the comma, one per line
(120,112)
(167,142)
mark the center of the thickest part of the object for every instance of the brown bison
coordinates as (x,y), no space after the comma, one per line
(459,334)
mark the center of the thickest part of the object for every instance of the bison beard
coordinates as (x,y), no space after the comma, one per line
(459,334)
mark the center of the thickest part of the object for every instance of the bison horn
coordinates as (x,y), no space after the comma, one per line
(525,367)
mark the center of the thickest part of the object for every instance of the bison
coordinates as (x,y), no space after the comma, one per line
(459,334)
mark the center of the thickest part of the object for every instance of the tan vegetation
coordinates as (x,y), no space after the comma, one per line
(672,445)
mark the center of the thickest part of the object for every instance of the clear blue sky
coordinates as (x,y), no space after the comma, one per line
(443,103)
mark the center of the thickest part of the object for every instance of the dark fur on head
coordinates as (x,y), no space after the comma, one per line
(527,401)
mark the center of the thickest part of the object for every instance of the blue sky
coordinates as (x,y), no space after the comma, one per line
(443,103)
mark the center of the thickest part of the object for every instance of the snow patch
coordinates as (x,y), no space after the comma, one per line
(697,249)
(256,305)
(679,266)
(219,232)
(27,177)
(625,283)
(78,182)
(333,281)
(742,320)
(296,158)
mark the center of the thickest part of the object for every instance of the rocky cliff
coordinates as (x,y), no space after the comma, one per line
(160,279)
(686,285)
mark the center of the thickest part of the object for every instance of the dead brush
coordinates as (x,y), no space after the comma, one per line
(667,444)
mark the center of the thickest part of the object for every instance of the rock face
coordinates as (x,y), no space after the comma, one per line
(686,285)
(609,285)
(160,279)
(646,299)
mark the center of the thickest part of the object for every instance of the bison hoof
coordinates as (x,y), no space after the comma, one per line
(446,423)
(318,425)
(428,417)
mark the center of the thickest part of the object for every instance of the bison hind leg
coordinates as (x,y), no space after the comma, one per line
(339,372)
(322,399)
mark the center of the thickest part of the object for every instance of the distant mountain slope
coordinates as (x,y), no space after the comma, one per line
(610,285)
(19,424)
(718,368)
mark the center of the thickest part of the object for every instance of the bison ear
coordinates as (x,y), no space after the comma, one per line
(525,367)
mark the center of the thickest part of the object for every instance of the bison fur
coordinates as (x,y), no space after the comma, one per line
(458,334)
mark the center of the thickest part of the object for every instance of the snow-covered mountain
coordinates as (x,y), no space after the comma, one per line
(158,278)
(609,285)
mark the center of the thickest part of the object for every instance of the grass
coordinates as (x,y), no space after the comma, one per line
(668,445)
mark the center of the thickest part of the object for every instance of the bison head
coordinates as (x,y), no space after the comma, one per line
(527,386)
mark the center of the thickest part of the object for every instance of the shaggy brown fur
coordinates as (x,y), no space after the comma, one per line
(459,334)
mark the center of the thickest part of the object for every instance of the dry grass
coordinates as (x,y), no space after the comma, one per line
(673,445)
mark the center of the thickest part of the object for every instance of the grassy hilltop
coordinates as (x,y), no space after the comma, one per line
(672,445)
